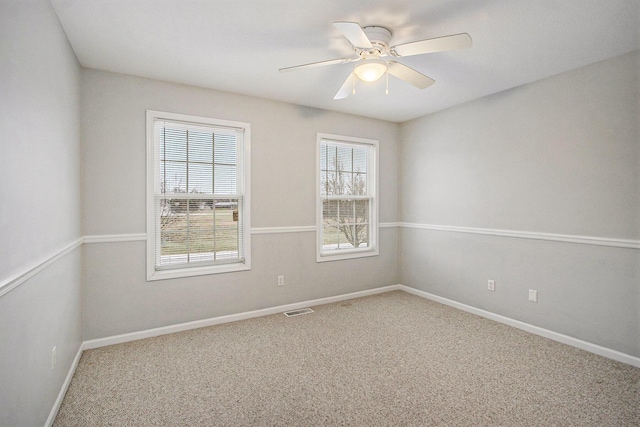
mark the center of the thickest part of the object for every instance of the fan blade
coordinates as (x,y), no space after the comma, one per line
(409,75)
(354,33)
(439,44)
(346,88)
(319,64)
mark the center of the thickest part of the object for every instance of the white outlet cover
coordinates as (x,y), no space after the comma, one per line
(491,285)
(533,295)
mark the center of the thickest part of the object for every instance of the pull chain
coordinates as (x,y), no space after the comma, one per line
(387,89)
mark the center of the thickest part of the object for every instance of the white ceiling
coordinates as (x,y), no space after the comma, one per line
(239,45)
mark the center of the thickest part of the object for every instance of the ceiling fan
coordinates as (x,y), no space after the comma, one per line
(371,43)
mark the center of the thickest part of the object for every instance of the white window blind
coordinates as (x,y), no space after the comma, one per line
(199,201)
(347,202)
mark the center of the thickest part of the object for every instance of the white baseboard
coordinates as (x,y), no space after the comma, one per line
(117,339)
(63,389)
(565,339)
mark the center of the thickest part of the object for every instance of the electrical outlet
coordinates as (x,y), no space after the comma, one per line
(533,295)
(491,285)
(53,357)
(280,280)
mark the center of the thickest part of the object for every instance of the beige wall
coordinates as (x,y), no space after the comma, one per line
(557,156)
(117,299)
(39,209)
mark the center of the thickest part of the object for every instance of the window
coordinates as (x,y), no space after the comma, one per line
(197,196)
(347,201)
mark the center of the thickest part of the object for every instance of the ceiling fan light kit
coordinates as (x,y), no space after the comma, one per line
(371,43)
(371,70)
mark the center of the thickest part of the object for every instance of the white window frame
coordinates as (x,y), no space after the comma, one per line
(372,191)
(153,185)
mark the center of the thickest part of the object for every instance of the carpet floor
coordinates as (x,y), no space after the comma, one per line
(391,359)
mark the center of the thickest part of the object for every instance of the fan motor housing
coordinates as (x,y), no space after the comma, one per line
(380,38)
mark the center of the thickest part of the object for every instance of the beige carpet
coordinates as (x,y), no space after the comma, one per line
(392,359)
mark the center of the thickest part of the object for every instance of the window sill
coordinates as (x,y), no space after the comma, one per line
(344,255)
(195,271)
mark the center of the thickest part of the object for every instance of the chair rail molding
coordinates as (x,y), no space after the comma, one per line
(566,238)
(16,279)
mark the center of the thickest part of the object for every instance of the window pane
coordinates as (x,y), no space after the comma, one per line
(227,241)
(174,243)
(330,212)
(359,184)
(344,183)
(202,244)
(361,211)
(227,229)
(200,178)
(200,146)
(362,236)
(225,149)
(347,222)
(345,159)
(173,144)
(179,206)
(330,237)
(225,179)
(323,157)
(198,231)
(346,236)
(323,182)
(346,211)
(332,185)
(361,224)
(360,160)
(331,157)
(173,177)
(167,216)
(200,216)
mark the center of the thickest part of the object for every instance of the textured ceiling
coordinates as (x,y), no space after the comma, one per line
(239,45)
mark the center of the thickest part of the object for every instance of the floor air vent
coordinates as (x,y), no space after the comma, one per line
(299,312)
